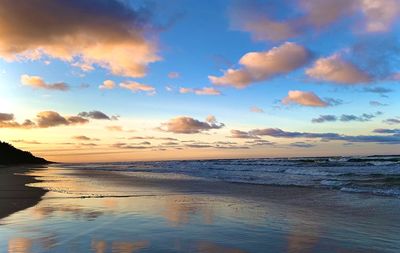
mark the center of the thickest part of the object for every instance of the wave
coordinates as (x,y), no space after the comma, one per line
(379,175)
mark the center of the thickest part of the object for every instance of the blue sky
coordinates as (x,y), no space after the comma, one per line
(297,60)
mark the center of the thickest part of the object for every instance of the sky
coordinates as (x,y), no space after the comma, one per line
(121,80)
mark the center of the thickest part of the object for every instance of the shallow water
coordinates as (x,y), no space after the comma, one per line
(104,211)
(379,175)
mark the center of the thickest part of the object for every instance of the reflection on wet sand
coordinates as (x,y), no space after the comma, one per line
(302,239)
(101,246)
(19,245)
(183,222)
(179,209)
(209,247)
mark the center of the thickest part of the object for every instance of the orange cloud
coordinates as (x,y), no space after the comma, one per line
(304,98)
(184,90)
(39,83)
(136,87)
(256,109)
(107,85)
(109,34)
(259,66)
(114,128)
(173,75)
(208,91)
(337,70)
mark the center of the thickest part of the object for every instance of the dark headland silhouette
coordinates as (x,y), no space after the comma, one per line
(9,155)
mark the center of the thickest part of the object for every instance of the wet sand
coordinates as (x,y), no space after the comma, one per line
(14,194)
(122,212)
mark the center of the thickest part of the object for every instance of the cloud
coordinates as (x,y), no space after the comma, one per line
(322,13)
(7,121)
(137,87)
(264,24)
(279,133)
(304,98)
(43,119)
(263,20)
(256,109)
(380,15)
(152,138)
(51,119)
(362,118)
(378,90)
(6,116)
(173,75)
(392,121)
(129,146)
(184,90)
(107,85)
(256,20)
(345,118)
(27,142)
(376,103)
(188,125)
(211,119)
(95,115)
(210,91)
(387,131)
(106,33)
(84,138)
(324,118)
(301,144)
(242,135)
(260,142)
(337,70)
(38,83)
(259,66)
(115,128)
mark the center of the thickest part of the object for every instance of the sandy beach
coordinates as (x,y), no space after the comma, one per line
(103,211)
(14,194)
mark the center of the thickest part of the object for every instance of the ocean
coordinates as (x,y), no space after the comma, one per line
(294,205)
(379,175)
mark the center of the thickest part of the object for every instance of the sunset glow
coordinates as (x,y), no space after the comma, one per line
(132,80)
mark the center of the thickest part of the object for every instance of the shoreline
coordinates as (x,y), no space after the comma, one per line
(108,207)
(14,194)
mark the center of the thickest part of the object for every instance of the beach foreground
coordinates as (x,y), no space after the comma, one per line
(14,194)
(108,211)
